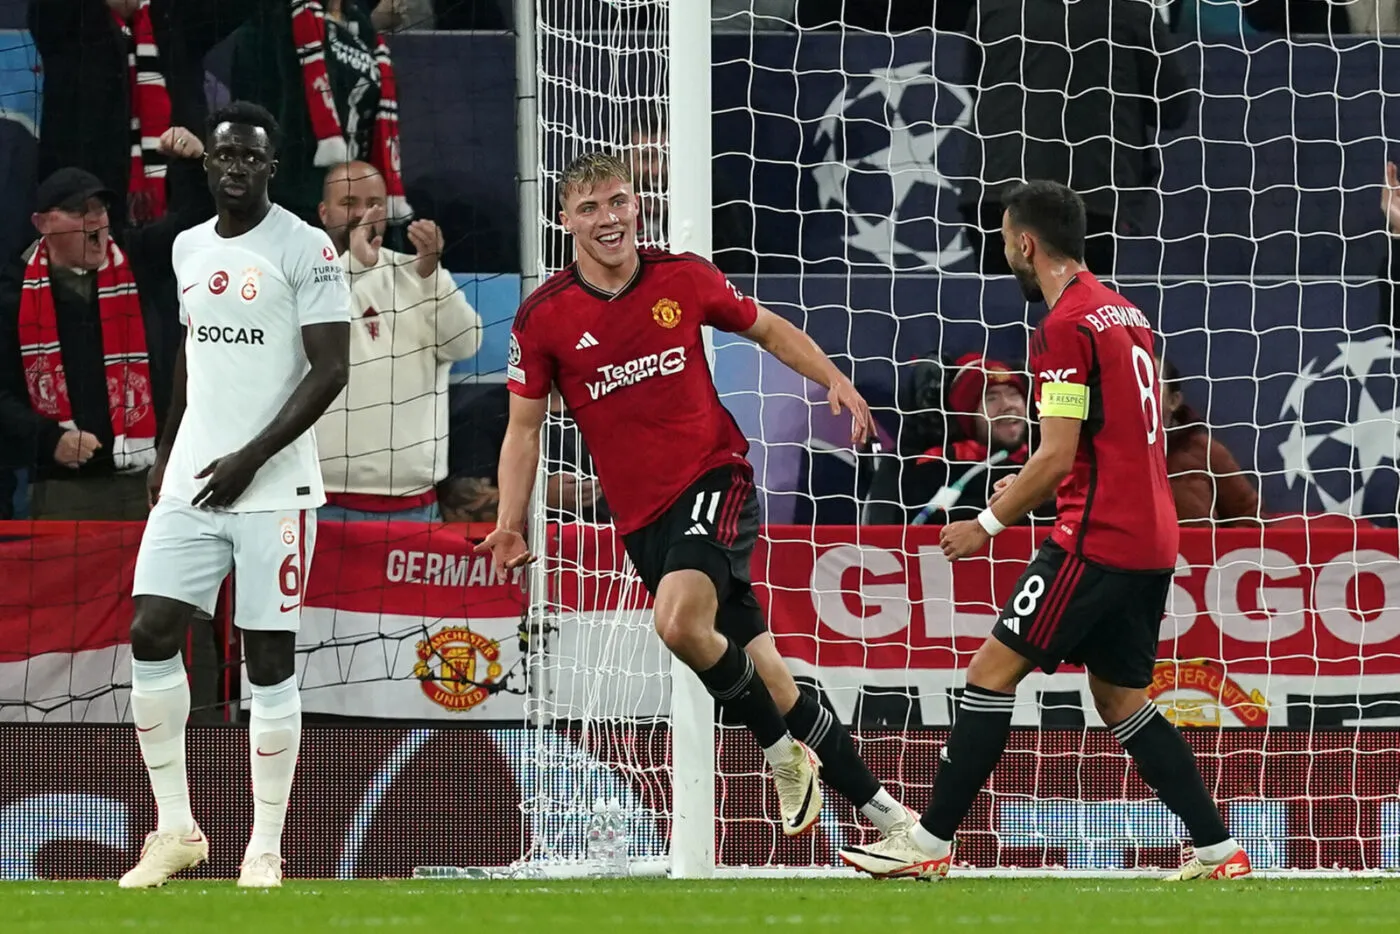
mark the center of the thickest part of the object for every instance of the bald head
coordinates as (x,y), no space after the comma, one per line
(351,189)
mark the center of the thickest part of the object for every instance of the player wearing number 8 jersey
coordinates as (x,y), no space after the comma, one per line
(1092,360)
(1096,592)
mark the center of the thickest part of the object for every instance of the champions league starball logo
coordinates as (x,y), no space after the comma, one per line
(877,152)
(1344,426)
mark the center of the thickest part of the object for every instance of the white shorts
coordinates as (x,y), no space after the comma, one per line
(186,553)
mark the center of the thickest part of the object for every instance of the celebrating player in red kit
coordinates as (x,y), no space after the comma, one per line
(1096,592)
(619,334)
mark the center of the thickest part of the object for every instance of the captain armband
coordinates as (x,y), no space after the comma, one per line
(1064,400)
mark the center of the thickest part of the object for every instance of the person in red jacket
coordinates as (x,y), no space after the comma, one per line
(989,435)
(1207,482)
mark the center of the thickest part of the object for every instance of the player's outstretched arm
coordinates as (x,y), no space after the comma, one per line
(800,353)
(1052,461)
(515,478)
(328,353)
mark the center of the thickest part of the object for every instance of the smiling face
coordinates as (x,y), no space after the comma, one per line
(1005,409)
(239,162)
(602,216)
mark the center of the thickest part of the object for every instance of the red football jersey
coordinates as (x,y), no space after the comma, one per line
(1093,358)
(632,369)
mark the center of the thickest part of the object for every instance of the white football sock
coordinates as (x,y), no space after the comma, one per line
(927,842)
(160,706)
(782,752)
(274,739)
(1218,852)
(884,811)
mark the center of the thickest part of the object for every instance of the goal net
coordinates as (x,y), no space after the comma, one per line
(822,154)
(839,166)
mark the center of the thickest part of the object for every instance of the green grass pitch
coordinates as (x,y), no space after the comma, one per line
(859,906)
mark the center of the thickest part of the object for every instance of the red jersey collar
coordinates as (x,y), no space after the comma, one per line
(1075,279)
(602,294)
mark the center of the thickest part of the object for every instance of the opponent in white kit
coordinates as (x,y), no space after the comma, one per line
(266,312)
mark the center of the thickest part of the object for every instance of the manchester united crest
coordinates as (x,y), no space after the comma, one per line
(666,313)
(455,665)
(1215,692)
(132,395)
(46,384)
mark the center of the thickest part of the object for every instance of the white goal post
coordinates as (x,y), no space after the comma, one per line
(672,73)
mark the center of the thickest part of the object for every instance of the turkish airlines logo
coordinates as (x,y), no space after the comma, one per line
(1058,376)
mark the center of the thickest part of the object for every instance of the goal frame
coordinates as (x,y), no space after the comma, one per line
(691,852)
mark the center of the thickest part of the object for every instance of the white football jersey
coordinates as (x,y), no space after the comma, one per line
(244,301)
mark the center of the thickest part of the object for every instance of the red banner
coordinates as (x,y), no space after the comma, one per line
(1252,612)
(1291,601)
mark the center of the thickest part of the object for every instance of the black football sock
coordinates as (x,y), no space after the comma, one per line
(974,748)
(842,767)
(1166,763)
(734,683)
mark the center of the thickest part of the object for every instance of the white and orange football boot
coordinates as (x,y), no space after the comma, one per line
(1234,866)
(897,857)
(799,790)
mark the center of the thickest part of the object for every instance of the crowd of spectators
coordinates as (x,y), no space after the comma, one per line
(88,324)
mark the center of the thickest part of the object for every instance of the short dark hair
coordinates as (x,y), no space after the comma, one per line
(245,113)
(1053,212)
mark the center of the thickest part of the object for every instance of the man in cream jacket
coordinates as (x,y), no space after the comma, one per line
(383,443)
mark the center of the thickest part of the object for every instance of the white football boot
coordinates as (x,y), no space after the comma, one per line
(263,871)
(163,855)
(897,857)
(799,790)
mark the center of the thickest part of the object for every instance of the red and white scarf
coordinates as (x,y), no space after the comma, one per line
(309,34)
(150,116)
(128,371)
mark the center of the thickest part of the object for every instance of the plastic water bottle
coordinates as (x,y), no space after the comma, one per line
(595,840)
(618,863)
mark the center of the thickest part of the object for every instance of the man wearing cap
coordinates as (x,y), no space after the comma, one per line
(988,440)
(88,330)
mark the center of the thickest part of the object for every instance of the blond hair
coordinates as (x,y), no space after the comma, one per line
(590,170)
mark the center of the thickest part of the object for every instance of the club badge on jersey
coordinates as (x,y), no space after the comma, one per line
(666,313)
